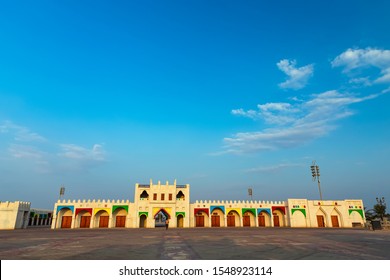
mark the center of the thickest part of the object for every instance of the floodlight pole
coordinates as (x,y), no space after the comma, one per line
(315,172)
(250,192)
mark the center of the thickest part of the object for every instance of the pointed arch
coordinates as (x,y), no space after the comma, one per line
(180,196)
(321,217)
(144,195)
(336,218)
(166,214)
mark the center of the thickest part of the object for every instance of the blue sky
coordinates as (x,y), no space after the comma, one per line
(222,95)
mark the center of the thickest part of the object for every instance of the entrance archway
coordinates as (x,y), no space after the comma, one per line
(120,217)
(160,217)
(264,219)
(335,218)
(83,218)
(201,217)
(101,219)
(180,221)
(217,218)
(233,219)
(248,219)
(278,218)
(321,218)
(65,218)
(143,221)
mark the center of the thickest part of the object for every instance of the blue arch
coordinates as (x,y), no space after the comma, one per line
(267,210)
(217,207)
(71,207)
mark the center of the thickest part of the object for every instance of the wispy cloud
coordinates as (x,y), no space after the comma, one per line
(273,168)
(45,156)
(33,155)
(297,77)
(294,123)
(25,152)
(354,59)
(20,133)
(272,113)
(82,154)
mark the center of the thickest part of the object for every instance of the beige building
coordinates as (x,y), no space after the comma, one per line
(154,204)
(19,215)
(14,215)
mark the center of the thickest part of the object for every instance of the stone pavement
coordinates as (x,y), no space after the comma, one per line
(195,243)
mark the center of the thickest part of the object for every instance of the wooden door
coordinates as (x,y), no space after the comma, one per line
(261,220)
(103,222)
(215,221)
(335,221)
(199,221)
(246,221)
(231,221)
(276,221)
(180,221)
(120,221)
(66,222)
(320,221)
(142,221)
(85,221)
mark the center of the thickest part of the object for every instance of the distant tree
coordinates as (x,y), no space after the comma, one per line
(380,208)
(380,211)
(370,214)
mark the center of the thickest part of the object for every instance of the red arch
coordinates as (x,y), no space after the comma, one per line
(280,208)
(197,210)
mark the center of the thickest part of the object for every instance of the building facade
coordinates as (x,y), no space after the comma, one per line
(20,215)
(155,203)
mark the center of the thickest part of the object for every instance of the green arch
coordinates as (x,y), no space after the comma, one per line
(300,210)
(252,210)
(360,211)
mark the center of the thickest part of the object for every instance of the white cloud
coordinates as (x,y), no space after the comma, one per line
(353,59)
(295,123)
(38,159)
(249,114)
(20,133)
(273,168)
(25,152)
(43,156)
(272,113)
(75,152)
(297,77)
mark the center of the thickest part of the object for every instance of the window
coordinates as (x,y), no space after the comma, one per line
(170,196)
(144,195)
(154,196)
(162,196)
(180,195)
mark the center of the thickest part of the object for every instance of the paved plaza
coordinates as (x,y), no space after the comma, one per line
(195,243)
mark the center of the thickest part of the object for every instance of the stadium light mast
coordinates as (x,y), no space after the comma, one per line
(250,192)
(315,172)
(62,192)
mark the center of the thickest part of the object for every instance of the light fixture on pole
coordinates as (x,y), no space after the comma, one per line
(250,192)
(315,172)
(62,192)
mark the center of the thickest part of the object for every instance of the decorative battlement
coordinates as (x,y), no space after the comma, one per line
(94,201)
(240,202)
(16,204)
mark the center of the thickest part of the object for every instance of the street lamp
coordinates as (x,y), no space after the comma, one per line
(315,172)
